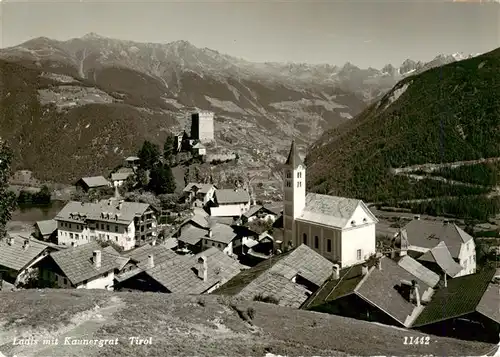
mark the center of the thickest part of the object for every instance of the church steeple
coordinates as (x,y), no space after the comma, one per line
(294,159)
(294,198)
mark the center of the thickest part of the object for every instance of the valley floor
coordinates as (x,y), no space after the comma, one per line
(205,325)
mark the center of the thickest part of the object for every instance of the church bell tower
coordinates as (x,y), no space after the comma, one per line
(294,198)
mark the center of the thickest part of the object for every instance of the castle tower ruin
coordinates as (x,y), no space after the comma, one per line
(202,126)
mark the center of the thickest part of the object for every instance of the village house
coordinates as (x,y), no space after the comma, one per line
(263,213)
(192,230)
(340,229)
(230,203)
(132,162)
(88,266)
(18,257)
(46,230)
(142,258)
(442,246)
(196,274)
(125,224)
(466,308)
(119,178)
(198,149)
(258,247)
(94,182)
(289,278)
(199,193)
(384,292)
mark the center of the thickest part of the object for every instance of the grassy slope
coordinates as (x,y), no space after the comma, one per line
(355,158)
(189,325)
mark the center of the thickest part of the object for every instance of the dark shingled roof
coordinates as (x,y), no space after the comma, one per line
(177,274)
(15,257)
(442,257)
(274,277)
(232,196)
(160,254)
(427,234)
(462,296)
(378,288)
(76,263)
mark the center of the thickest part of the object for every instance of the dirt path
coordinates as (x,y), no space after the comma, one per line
(83,326)
(434,167)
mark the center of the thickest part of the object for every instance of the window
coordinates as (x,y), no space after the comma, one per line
(299,184)
(304,238)
(77,236)
(329,245)
(70,225)
(474,258)
(213,244)
(102,226)
(288,184)
(65,281)
(218,245)
(299,174)
(358,254)
(116,229)
(289,174)
(107,236)
(107,227)
(71,235)
(116,238)
(106,274)
(316,242)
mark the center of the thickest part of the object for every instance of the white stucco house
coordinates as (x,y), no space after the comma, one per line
(88,266)
(119,178)
(126,224)
(440,245)
(230,203)
(203,192)
(340,229)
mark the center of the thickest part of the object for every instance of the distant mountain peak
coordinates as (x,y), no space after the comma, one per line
(92,35)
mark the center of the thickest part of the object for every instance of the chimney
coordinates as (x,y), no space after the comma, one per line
(364,270)
(151,262)
(10,240)
(26,244)
(415,292)
(153,242)
(97,259)
(336,272)
(202,268)
(210,232)
(379,263)
(445,279)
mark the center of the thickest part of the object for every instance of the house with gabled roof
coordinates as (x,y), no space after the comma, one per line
(263,213)
(119,178)
(440,244)
(87,183)
(142,258)
(202,192)
(197,274)
(384,292)
(87,266)
(126,224)
(46,230)
(230,203)
(339,228)
(467,307)
(290,278)
(19,256)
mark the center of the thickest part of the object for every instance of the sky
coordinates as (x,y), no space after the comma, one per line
(365,33)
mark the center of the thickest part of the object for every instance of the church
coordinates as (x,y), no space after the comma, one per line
(340,229)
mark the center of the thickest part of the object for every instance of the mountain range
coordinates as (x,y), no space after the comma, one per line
(445,120)
(96,99)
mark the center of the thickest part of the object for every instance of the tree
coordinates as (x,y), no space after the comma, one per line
(141,177)
(7,197)
(161,179)
(149,155)
(169,148)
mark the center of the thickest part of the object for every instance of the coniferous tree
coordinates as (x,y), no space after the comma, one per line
(149,155)
(7,197)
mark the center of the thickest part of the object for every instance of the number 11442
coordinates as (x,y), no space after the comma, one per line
(410,340)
